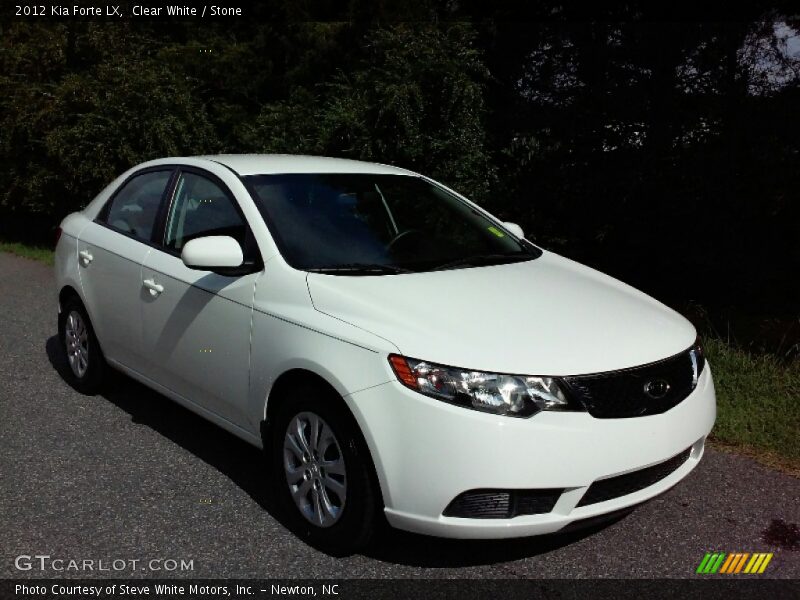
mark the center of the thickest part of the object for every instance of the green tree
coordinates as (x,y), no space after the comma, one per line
(413,99)
(85,115)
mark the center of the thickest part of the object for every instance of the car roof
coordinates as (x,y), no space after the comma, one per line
(272,164)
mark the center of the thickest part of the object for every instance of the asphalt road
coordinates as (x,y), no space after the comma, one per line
(130,475)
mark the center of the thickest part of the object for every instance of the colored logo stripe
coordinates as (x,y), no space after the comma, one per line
(711,562)
(759,563)
(727,564)
(733,563)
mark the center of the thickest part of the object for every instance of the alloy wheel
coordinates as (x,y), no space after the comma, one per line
(315,469)
(76,340)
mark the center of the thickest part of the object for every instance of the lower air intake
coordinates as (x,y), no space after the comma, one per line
(622,485)
(502,504)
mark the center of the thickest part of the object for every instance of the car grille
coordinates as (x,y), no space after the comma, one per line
(622,485)
(622,394)
(502,504)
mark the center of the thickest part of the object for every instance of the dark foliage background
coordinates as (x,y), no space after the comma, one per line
(664,153)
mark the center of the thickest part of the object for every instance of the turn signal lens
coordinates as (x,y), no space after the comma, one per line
(403,371)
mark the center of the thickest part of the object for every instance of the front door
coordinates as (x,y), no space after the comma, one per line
(197,323)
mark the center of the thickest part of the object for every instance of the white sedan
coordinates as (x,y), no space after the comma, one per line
(394,348)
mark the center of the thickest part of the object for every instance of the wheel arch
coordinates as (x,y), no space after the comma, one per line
(277,395)
(66,292)
(293,376)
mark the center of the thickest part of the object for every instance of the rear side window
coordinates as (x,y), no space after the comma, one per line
(201,208)
(134,208)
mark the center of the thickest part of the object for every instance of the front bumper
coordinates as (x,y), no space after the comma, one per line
(427,452)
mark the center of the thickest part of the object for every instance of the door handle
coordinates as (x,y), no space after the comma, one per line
(155,288)
(86,257)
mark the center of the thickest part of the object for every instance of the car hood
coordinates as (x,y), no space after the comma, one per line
(548,316)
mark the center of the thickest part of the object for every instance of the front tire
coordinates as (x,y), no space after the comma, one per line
(325,483)
(86,366)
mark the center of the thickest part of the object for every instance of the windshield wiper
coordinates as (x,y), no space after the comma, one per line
(484,259)
(360,269)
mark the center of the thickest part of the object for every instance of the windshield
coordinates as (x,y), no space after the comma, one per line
(378,224)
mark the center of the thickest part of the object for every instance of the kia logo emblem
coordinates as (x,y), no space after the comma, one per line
(657,388)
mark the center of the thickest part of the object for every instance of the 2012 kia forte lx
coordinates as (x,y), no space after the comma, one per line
(394,348)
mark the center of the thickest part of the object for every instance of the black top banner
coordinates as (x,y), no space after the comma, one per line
(229,11)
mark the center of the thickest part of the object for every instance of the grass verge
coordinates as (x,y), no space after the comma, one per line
(39,253)
(758,405)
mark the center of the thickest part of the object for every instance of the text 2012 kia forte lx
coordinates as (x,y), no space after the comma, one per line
(394,348)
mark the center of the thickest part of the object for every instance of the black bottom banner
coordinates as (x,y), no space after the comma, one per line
(376,589)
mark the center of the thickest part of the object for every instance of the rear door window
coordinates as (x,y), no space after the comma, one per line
(134,208)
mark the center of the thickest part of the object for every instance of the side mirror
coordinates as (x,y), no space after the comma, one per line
(212,253)
(515,229)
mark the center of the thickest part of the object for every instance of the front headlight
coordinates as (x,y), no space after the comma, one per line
(698,358)
(497,393)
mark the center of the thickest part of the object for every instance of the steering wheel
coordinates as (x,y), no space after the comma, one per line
(401,236)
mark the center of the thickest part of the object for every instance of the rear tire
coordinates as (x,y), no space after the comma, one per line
(86,366)
(325,480)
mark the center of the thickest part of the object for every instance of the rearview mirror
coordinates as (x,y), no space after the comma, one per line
(515,229)
(211,253)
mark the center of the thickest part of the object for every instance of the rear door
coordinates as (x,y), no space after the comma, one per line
(197,323)
(111,251)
